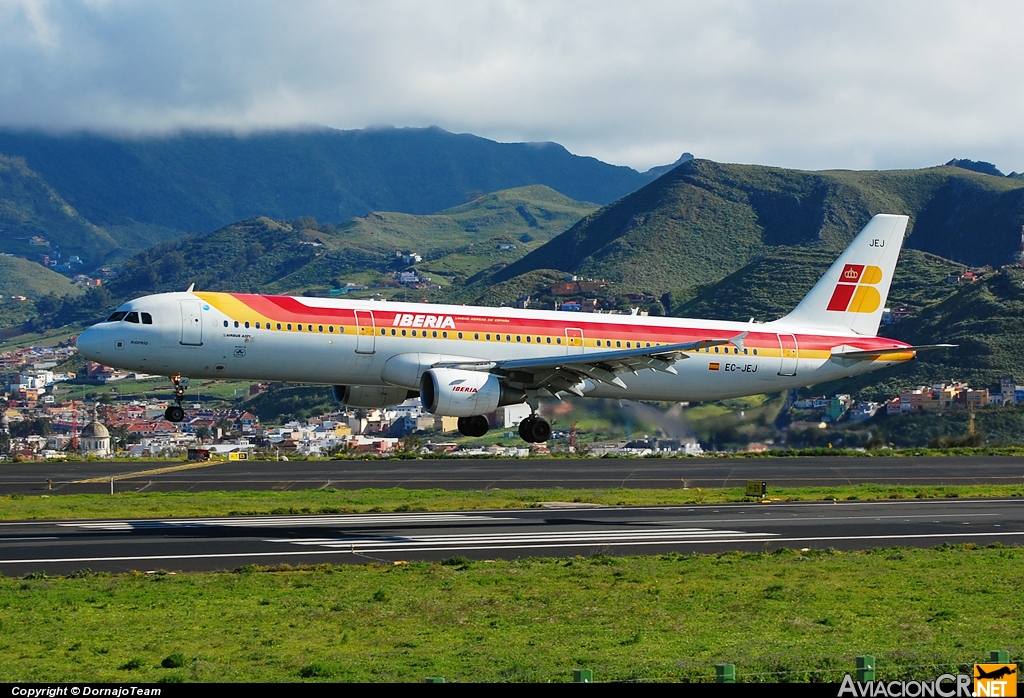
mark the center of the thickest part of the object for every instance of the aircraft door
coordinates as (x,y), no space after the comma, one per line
(788,366)
(365,332)
(574,340)
(191,323)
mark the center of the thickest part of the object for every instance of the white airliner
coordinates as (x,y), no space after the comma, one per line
(467,361)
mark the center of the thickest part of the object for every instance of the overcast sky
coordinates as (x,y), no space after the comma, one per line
(810,85)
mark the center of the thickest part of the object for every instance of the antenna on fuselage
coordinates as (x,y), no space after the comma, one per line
(191,286)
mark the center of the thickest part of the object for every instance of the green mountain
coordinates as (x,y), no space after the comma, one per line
(199,182)
(261,254)
(25,278)
(20,277)
(35,220)
(704,221)
(773,284)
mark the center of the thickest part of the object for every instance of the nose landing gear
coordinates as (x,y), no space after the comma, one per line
(176,413)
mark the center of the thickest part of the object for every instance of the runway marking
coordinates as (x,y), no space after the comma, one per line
(342,551)
(681,535)
(283,521)
(145,473)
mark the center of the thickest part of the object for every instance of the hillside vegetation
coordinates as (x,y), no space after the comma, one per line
(199,182)
(985,320)
(703,221)
(35,220)
(262,254)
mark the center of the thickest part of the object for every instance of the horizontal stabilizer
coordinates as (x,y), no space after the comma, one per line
(845,352)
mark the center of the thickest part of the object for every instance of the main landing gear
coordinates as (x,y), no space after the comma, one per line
(473,426)
(535,429)
(176,413)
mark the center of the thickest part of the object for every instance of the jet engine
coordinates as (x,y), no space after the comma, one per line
(370,395)
(453,392)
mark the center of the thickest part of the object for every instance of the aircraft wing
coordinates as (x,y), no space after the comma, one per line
(556,374)
(845,352)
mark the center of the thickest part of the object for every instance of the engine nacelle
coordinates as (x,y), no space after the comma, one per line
(453,392)
(370,395)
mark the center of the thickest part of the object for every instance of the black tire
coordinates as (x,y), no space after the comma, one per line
(175,414)
(526,429)
(478,426)
(541,430)
(474,426)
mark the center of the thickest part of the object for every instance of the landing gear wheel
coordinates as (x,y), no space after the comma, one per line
(174,413)
(534,429)
(473,426)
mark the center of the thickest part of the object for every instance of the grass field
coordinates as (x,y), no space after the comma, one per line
(784,616)
(330,501)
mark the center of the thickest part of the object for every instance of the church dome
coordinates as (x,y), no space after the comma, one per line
(95,430)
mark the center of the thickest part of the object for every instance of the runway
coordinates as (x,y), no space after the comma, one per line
(475,474)
(226,543)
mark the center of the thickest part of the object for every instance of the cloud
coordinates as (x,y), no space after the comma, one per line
(799,84)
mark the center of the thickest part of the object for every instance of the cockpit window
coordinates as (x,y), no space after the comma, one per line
(147,319)
(117,317)
(132,317)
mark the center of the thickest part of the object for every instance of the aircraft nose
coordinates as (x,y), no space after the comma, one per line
(89,344)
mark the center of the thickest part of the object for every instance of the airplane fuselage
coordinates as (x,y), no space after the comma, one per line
(366,343)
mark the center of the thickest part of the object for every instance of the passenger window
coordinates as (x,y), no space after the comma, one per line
(403,333)
(508,338)
(147,319)
(117,317)
(519,338)
(488,338)
(618,344)
(320,328)
(289,325)
(549,340)
(558,341)
(444,335)
(299,328)
(434,333)
(279,325)
(132,317)
(247,325)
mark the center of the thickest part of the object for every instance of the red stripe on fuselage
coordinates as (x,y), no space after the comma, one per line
(289,309)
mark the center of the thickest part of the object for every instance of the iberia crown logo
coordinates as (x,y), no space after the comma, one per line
(856,292)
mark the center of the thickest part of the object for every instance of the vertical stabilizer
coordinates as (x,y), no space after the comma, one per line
(851,295)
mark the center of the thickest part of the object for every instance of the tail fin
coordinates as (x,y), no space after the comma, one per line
(851,294)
